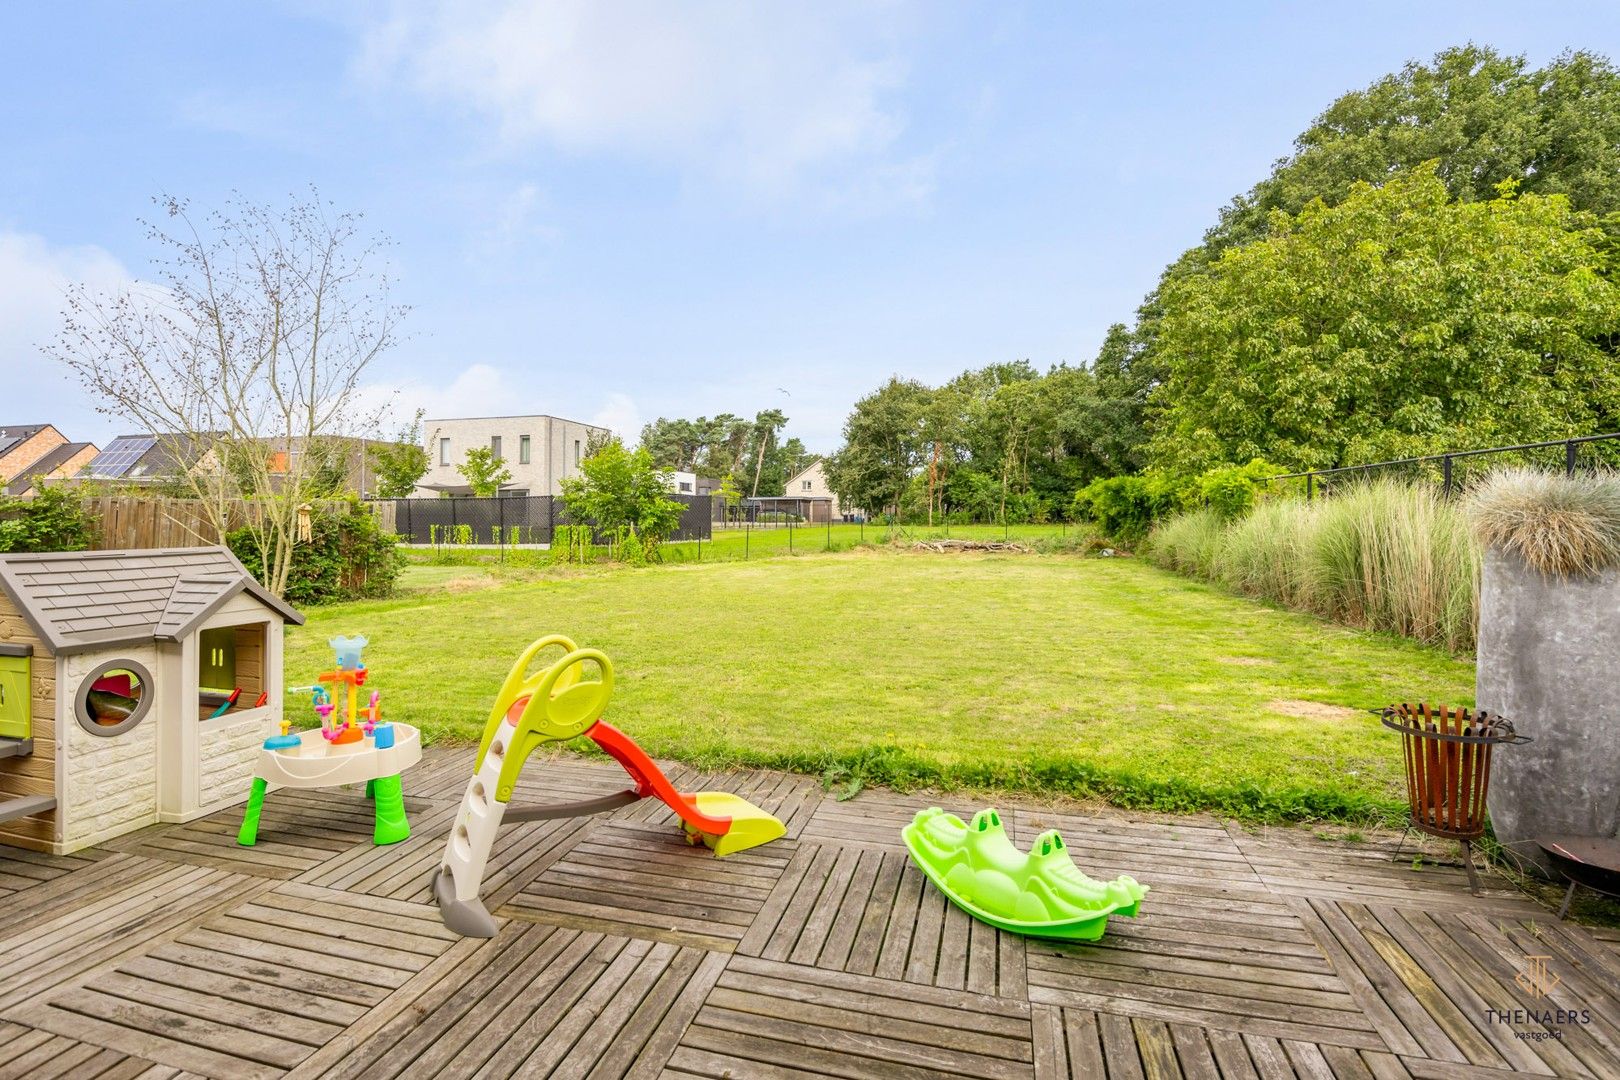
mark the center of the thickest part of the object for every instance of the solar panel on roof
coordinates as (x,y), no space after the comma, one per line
(120,454)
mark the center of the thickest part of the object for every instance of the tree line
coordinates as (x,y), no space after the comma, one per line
(1432,268)
(751,452)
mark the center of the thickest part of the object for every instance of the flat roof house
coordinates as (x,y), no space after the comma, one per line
(538,451)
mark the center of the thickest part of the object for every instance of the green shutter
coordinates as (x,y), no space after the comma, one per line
(15,713)
(216,660)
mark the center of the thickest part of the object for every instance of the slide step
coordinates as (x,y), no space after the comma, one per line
(16,747)
(25,805)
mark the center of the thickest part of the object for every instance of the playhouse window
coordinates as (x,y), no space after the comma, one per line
(230,669)
(113,698)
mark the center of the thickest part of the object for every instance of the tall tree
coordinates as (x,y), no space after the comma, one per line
(400,463)
(1485,117)
(249,349)
(1482,116)
(1396,323)
(883,447)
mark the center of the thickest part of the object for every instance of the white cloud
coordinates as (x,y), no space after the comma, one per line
(620,415)
(765,96)
(34,277)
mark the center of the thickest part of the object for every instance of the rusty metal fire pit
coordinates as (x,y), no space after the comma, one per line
(1448,769)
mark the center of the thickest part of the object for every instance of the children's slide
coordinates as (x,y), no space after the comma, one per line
(553,704)
(1039,894)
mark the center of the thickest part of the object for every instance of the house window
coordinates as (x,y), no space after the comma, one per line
(523,449)
(278,462)
(576,453)
(113,698)
(495,447)
(686,486)
(444,451)
(807,485)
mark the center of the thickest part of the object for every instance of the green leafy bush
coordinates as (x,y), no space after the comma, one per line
(53,520)
(348,557)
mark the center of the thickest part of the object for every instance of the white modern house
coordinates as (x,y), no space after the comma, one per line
(537,450)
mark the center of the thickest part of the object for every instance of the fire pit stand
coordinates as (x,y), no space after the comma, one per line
(1448,770)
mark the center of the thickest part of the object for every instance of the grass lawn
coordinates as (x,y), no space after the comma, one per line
(1102,677)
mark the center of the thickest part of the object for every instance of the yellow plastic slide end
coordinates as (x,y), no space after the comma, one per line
(750,826)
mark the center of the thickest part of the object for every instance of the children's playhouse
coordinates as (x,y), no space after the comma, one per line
(135,687)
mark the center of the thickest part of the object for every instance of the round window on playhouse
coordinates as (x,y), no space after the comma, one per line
(113,698)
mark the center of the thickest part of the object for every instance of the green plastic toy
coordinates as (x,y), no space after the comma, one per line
(1041,894)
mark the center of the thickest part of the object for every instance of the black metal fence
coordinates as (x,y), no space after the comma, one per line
(1453,471)
(515,522)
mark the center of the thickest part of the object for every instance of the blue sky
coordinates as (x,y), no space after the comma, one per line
(619,211)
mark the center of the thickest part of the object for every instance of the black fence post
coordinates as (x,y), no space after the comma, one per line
(1310,486)
(500,514)
(748,534)
(790,536)
(829,532)
(1569,458)
(1445,472)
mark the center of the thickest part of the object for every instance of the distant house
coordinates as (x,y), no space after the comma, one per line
(21,446)
(138,460)
(66,460)
(539,451)
(689,483)
(141,459)
(810,482)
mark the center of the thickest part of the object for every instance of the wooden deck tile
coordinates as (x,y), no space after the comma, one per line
(255,989)
(647,881)
(21,869)
(868,911)
(1251,968)
(773,1019)
(31,1054)
(544,1001)
(60,943)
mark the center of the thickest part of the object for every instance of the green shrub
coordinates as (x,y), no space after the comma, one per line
(53,520)
(1127,507)
(348,557)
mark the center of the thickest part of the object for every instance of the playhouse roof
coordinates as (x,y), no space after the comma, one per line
(77,600)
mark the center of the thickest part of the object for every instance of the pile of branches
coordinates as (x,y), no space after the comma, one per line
(943,546)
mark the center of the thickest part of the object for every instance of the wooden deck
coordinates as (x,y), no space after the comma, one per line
(624,952)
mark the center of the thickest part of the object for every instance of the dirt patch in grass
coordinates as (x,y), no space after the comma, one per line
(1246,661)
(1313,710)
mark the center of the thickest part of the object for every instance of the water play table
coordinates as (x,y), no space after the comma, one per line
(313,762)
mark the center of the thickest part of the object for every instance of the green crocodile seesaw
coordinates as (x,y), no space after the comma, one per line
(1041,894)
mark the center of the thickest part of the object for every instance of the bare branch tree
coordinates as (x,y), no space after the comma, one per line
(245,357)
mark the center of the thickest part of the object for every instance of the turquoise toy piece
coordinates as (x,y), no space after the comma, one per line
(1041,894)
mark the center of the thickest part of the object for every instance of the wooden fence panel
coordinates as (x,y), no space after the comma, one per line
(130,523)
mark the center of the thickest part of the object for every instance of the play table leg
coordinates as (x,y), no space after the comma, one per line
(371,789)
(389,803)
(248,834)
